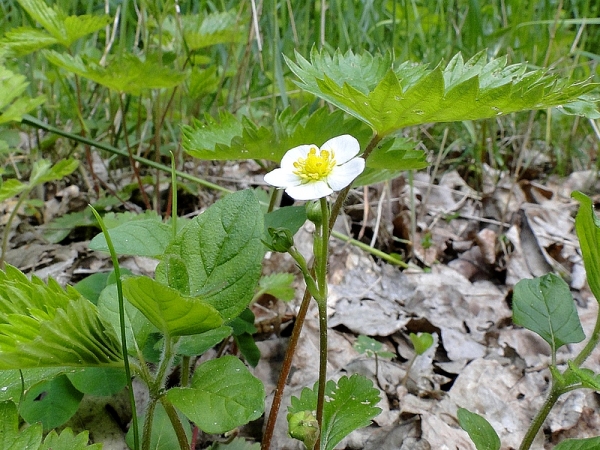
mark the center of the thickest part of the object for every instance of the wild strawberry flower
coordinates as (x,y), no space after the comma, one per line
(308,172)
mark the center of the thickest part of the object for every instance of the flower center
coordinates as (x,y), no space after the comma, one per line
(315,167)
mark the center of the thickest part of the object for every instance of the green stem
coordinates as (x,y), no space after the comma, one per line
(147,433)
(367,248)
(591,345)
(117,269)
(540,417)
(8,225)
(176,422)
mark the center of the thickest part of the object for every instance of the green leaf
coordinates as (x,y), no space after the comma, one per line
(67,440)
(368,88)
(127,74)
(16,382)
(586,377)
(350,405)
(197,344)
(592,443)
(51,402)
(480,431)
(202,31)
(169,311)
(148,237)
(60,227)
(43,171)
(24,40)
(236,444)
(10,436)
(222,251)
(421,342)
(371,347)
(278,285)
(11,188)
(545,306)
(223,395)
(163,436)
(231,138)
(397,154)
(44,326)
(13,104)
(100,381)
(587,226)
(248,348)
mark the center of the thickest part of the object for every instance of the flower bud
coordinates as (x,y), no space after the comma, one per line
(281,239)
(304,427)
(314,213)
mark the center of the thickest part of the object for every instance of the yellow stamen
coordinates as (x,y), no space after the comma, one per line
(315,167)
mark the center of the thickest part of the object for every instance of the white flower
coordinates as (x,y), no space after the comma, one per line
(308,172)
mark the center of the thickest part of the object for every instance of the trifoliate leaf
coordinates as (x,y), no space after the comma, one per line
(41,325)
(350,404)
(13,105)
(545,306)
(223,395)
(387,99)
(230,138)
(67,440)
(480,431)
(127,73)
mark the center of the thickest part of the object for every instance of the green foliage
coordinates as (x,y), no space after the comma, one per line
(67,440)
(397,154)
(350,405)
(50,403)
(221,252)
(100,381)
(387,99)
(44,326)
(197,344)
(278,285)
(127,73)
(13,105)
(168,310)
(10,436)
(236,444)
(200,31)
(231,138)
(223,395)
(545,306)
(421,342)
(587,226)
(162,436)
(371,347)
(579,444)
(480,431)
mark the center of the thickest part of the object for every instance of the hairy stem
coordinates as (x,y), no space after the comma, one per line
(540,417)
(176,422)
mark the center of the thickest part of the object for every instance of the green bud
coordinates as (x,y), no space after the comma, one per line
(304,427)
(314,213)
(281,239)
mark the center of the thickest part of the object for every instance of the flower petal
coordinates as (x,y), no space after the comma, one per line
(282,178)
(309,191)
(342,176)
(292,155)
(345,147)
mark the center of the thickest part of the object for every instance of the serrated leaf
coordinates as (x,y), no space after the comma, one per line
(230,138)
(44,326)
(60,227)
(545,306)
(480,431)
(24,40)
(44,171)
(223,252)
(350,405)
(11,188)
(397,154)
(168,310)
(67,440)
(148,237)
(127,74)
(10,436)
(223,395)
(587,226)
(592,443)
(202,31)
(278,285)
(51,402)
(421,342)
(367,88)
(13,105)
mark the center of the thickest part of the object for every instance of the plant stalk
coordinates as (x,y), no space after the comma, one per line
(176,422)
(540,417)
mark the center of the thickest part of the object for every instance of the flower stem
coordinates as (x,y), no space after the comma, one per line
(540,417)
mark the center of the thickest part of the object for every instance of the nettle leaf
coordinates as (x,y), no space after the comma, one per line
(587,226)
(67,440)
(11,438)
(201,31)
(592,443)
(41,325)
(397,154)
(223,395)
(229,138)
(350,404)
(168,310)
(387,99)
(13,105)
(148,237)
(222,252)
(545,306)
(480,431)
(128,73)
